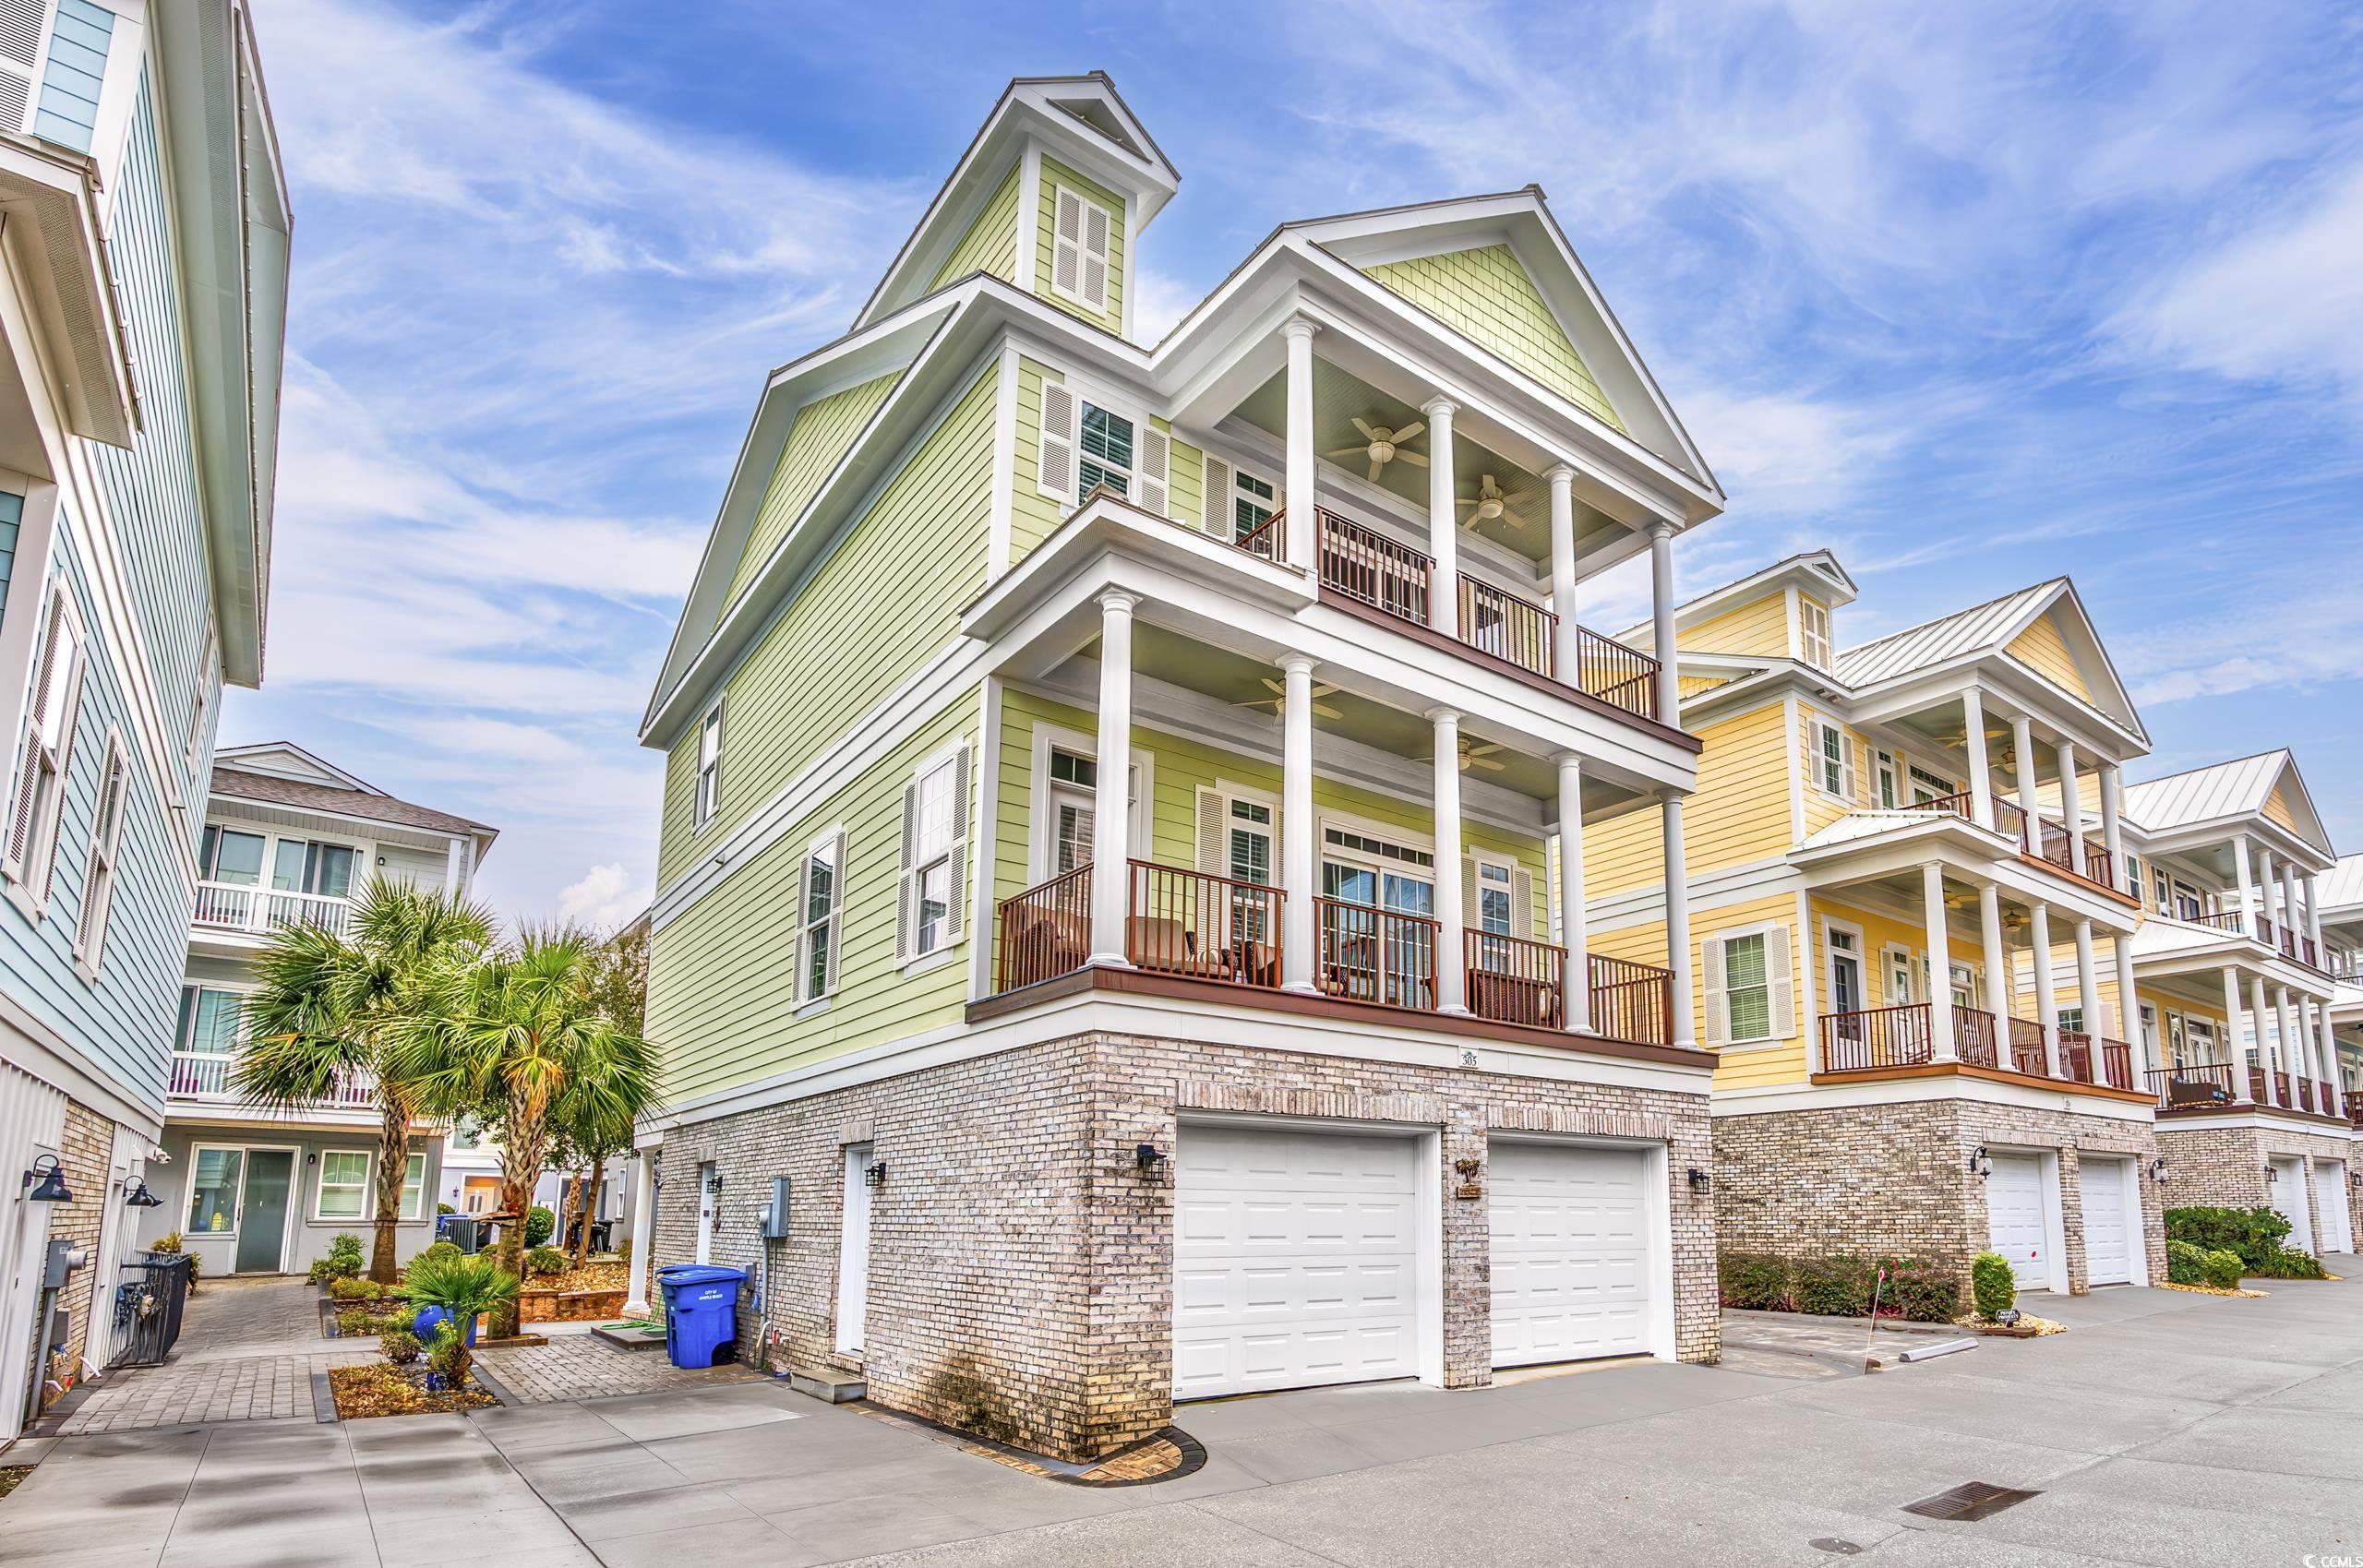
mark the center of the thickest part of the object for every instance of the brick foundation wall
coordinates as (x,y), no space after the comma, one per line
(85,1152)
(2217,1166)
(1895,1178)
(1021,1272)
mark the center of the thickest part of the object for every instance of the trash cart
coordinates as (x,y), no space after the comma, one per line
(701,1313)
(147,1307)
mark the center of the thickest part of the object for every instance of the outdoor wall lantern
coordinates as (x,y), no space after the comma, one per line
(713,1182)
(1981,1165)
(2271,1175)
(2158,1169)
(1699,1180)
(876,1176)
(140,1198)
(1147,1158)
(51,1188)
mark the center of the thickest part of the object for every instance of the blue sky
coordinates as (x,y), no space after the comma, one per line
(1975,295)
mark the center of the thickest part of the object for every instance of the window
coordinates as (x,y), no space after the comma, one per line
(1082,248)
(46,747)
(209,1024)
(344,1184)
(931,908)
(1493,911)
(1833,760)
(98,872)
(1107,452)
(203,705)
(1254,502)
(1074,781)
(1927,787)
(213,1191)
(1964,984)
(229,855)
(709,786)
(1813,620)
(1747,987)
(1901,979)
(1845,971)
(1890,791)
(2071,1019)
(467,1133)
(1250,859)
(322,870)
(816,953)
(415,1188)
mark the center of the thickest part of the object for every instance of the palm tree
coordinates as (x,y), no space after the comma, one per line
(517,1032)
(323,1013)
(465,1287)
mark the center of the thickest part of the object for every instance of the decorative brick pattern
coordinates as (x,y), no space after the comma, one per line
(583,1366)
(1896,1178)
(1020,1281)
(2222,1166)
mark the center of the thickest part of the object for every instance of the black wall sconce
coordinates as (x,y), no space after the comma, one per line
(1147,1158)
(713,1181)
(1699,1180)
(2271,1175)
(140,1198)
(876,1175)
(2158,1169)
(48,1187)
(1980,1164)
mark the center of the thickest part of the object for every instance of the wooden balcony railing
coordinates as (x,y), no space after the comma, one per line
(1957,804)
(1215,928)
(2191,1085)
(2354,1107)
(1875,1038)
(2117,1064)
(1511,980)
(1631,1001)
(1045,932)
(1496,621)
(1620,677)
(1364,564)
(1973,1035)
(2027,1054)
(1365,953)
(1269,542)
(2281,1090)
(2009,821)
(2079,855)
(2256,1084)
(2224,920)
(2076,1055)
(2266,931)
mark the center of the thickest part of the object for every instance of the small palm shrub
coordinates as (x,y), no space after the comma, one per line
(465,1287)
(1992,1288)
(546,1261)
(400,1345)
(2225,1268)
(447,1358)
(2186,1263)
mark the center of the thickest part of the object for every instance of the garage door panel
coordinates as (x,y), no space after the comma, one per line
(1570,1264)
(2108,1231)
(2330,1202)
(2017,1225)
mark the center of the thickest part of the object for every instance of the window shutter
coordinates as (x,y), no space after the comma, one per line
(1066,243)
(903,879)
(1215,508)
(1155,464)
(1214,833)
(1783,986)
(1711,961)
(1098,231)
(1846,753)
(955,899)
(837,913)
(1522,903)
(799,953)
(1473,914)
(1054,468)
(30,762)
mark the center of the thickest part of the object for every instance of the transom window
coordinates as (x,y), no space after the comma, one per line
(1362,844)
(1927,787)
(1747,987)
(1107,452)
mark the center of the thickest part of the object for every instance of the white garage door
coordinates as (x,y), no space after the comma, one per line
(2108,1229)
(1570,1252)
(2288,1192)
(2014,1210)
(1296,1259)
(2330,1202)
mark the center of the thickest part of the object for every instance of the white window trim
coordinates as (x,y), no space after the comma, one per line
(835,835)
(104,851)
(425,1188)
(1112,399)
(1085,204)
(368,1188)
(1254,471)
(1041,830)
(29,887)
(701,816)
(1915,963)
(204,703)
(237,1207)
(1521,921)
(1821,976)
(1817,724)
(964,848)
(1767,1042)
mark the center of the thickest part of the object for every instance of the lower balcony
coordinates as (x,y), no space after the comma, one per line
(2199,1088)
(1229,933)
(1885,1038)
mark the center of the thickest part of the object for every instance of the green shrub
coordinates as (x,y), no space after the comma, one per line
(343,1260)
(2186,1263)
(447,1357)
(171,1247)
(356,1323)
(539,1223)
(2255,1234)
(546,1259)
(2225,1268)
(443,1249)
(445,1209)
(400,1345)
(1755,1280)
(358,1290)
(1920,1292)
(2285,1263)
(1993,1288)
(1832,1286)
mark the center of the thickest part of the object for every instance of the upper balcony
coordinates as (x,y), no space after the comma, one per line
(247,909)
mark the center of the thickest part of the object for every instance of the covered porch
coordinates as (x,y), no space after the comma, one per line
(2233,1033)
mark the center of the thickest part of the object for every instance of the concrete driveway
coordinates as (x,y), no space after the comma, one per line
(2165,1429)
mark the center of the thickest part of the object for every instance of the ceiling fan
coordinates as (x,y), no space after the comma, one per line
(1474,756)
(1384,446)
(1278,702)
(1490,502)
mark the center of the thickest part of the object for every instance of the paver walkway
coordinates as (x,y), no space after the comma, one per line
(583,1366)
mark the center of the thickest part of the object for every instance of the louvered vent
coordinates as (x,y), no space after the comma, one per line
(13,92)
(20,34)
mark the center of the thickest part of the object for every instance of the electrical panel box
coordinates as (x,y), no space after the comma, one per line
(776,1214)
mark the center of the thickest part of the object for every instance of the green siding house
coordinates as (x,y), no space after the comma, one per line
(1122,836)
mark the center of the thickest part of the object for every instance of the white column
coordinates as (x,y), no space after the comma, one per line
(2047,999)
(1575,959)
(643,1232)
(1451,944)
(2022,764)
(1981,778)
(2286,1041)
(2112,833)
(2248,890)
(1111,845)
(2314,919)
(2128,1010)
(2233,1027)
(2268,891)
(1662,622)
(2088,991)
(2309,1041)
(1303,528)
(2329,1036)
(2264,1056)
(455,875)
(2071,807)
(2291,910)
(1678,919)
(1444,521)
(1299,842)
(1562,570)
(1940,964)
(1998,967)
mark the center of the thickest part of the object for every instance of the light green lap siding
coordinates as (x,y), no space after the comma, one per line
(1055,173)
(1180,767)
(721,983)
(990,245)
(1032,515)
(1487,296)
(885,601)
(816,442)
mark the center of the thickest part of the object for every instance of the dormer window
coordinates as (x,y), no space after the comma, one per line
(1813,631)
(1107,452)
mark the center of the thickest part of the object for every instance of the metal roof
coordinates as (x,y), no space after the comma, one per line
(1977,628)
(2206,794)
(2342,885)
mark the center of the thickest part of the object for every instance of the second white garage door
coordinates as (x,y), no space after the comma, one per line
(1296,1259)
(2015,1218)
(2330,1203)
(1570,1253)
(2108,1231)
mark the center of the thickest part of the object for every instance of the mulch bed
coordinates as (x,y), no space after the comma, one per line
(590,1276)
(2029,1326)
(378,1390)
(2207,1289)
(10,1475)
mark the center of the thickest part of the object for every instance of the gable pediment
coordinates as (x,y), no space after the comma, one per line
(1486,294)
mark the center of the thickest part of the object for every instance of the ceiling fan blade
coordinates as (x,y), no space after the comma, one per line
(1368,435)
(1417,460)
(1488,762)
(1326,711)
(1517,497)
(1413,429)
(1272,702)
(1275,688)
(1517,520)
(1465,501)
(1346,452)
(1324,690)
(1374,466)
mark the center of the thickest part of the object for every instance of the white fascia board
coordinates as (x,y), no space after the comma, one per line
(2208,961)
(1968,853)
(2009,686)
(1773,1098)
(2216,832)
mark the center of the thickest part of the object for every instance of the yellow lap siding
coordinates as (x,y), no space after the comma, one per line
(1755,1063)
(1739,815)
(2276,809)
(1759,626)
(721,979)
(823,430)
(991,244)
(2042,649)
(1487,296)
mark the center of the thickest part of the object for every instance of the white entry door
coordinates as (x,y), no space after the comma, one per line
(853,1250)
(2015,1218)
(2108,1228)
(1296,1259)
(1570,1253)
(2288,1192)
(2330,1202)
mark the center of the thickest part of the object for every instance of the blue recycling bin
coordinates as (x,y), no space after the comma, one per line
(701,1313)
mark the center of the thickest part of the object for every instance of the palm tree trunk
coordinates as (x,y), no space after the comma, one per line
(393,1164)
(583,1240)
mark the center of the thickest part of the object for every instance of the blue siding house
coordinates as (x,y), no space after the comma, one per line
(139,423)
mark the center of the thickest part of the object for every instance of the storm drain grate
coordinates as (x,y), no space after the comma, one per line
(1971,1499)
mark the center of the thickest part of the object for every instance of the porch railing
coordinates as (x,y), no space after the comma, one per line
(1215,928)
(238,906)
(1045,932)
(2224,920)
(1631,1001)
(2191,1084)
(2354,1107)
(2076,1055)
(2027,1054)
(2117,1063)
(205,1075)
(1620,677)
(1957,804)
(1363,564)
(1365,953)
(1511,980)
(2076,854)
(1269,542)
(2009,821)
(1879,1037)
(2256,1084)
(1973,1035)
(1496,621)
